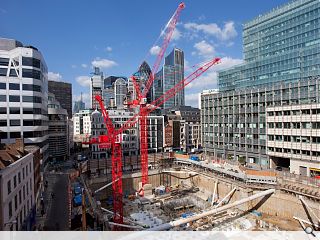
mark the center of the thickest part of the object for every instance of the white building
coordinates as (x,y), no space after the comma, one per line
(16,189)
(82,125)
(23,95)
(101,158)
(294,138)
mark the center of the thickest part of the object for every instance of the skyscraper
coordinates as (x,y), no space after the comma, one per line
(96,87)
(23,95)
(63,94)
(113,87)
(79,105)
(120,92)
(171,74)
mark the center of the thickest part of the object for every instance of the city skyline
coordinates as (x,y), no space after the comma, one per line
(205,30)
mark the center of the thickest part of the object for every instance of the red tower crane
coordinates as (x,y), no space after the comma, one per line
(142,95)
(113,138)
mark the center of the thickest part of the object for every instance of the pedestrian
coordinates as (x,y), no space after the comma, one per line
(52,195)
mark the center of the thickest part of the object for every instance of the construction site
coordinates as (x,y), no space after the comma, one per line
(179,192)
(182,195)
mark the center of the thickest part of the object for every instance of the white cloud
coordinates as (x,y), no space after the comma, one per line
(176,35)
(54,76)
(227,32)
(109,49)
(155,50)
(84,65)
(84,81)
(209,79)
(204,48)
(192,99)
(103,63)
(73,66)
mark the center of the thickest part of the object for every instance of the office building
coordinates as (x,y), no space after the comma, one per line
(17,196)
(96,87)
(23,95)
(293,137)
(141,77)
(63,94)
(120,92)
(115,92)
(279,46)
(78,105)
(280,75)
(59,144)
(100,161)
(183,129)
(171,74)
(82,125)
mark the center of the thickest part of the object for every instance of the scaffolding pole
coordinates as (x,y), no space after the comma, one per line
(228,195)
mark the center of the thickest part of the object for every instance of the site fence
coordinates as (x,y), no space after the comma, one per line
(305,180)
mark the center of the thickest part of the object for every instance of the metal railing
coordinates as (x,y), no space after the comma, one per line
(305,180)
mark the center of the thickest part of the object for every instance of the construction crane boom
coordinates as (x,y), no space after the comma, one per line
(182,84)
(168,95)
(166,40)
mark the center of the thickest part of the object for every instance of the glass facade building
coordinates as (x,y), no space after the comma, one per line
(280,46)
(280,74)
(170,75)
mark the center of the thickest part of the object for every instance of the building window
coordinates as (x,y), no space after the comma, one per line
(14,110)
(286,125)
(33,99)
(15,135)
(2,86)
(20,200)
(32,62)
(279,125)
(4,61)
(295,112)
(15,202)
(15,181)
(3,123)
(9,186)
(31,87)
(3,72)
(14,86)
(14,122)
(19,177)
(3,110)
(10,209)
(305,111)
(14,98)
(24,192)
(31,73)
(3,98)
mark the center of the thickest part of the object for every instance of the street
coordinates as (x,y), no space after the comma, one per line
(58,211)
(55,211)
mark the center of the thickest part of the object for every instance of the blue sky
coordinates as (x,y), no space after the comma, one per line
(118,35)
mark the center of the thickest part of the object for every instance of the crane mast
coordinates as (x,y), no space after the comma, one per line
(113,139)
